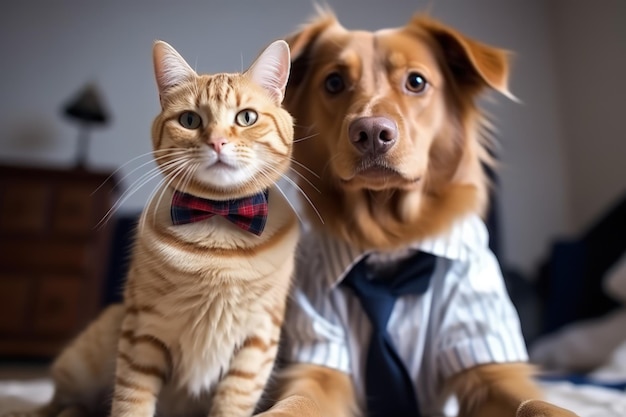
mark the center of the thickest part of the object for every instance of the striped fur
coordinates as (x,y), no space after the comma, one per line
(198,331)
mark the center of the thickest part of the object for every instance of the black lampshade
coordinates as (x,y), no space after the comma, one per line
(87,106)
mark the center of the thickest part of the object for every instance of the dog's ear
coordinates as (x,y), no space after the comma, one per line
(473,65)
(300,43)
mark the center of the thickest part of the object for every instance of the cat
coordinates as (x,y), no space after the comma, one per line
(205,295)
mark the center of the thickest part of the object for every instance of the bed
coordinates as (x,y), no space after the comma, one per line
(23,389)
(583,341)
(584,313)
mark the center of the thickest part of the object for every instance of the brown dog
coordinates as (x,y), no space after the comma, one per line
(395,155)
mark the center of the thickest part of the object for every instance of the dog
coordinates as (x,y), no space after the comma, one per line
(392,159)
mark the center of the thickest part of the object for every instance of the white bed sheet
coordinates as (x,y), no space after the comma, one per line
(586,401)
(24,394)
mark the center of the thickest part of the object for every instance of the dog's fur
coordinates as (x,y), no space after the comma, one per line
(430,174)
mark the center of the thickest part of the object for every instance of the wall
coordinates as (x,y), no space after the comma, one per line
(51,49)
(591,77)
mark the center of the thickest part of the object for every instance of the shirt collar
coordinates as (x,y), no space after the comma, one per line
(459,243)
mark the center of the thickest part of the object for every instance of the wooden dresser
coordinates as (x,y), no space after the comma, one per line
(53,257)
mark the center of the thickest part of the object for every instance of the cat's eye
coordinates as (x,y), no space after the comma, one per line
(246,118)
(416,83)
(190,120)
(334,83)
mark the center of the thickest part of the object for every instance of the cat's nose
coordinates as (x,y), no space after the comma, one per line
(217,143)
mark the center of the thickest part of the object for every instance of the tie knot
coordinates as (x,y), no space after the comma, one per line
(378,293)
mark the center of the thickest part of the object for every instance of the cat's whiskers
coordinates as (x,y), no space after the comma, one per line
(280,190)
(125,195)
(306,168)
(303,138)
(168,177)
(187,174)
(191,172)
(305,179)
(264,172)
(158,187)
(134,187)
(156,171)
(109,214)
(151,154)
(145,178)
(299,189)
(252,174)
(154,160)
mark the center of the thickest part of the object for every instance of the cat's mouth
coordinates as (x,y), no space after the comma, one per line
(222,171)
(220,163)
(216,160)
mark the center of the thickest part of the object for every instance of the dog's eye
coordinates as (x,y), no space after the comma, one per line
(416,83)
(334,83)
(190,120)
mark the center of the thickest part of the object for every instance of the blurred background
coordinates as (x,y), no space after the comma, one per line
(561,149)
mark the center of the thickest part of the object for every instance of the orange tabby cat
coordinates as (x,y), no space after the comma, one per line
(206,292)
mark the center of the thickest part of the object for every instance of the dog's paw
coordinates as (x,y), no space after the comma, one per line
(538,408)
(294,406)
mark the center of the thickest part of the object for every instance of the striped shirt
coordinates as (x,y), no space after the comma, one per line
(465,318)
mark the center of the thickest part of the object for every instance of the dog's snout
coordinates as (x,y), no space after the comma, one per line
(375,135)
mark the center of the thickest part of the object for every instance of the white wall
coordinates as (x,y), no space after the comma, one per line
(591,75)
(50,49)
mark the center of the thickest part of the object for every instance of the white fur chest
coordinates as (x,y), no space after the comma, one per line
(206,342)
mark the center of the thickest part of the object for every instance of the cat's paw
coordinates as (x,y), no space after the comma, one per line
(538,408)
(73,411)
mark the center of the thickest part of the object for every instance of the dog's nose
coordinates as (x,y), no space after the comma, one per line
(375,135)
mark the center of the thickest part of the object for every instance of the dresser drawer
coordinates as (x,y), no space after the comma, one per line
(56,308)
(53,255)
(42,255)
(23,207)
(73,210)
(16,294)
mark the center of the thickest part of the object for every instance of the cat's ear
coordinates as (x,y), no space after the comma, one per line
(271,69)
(170,69)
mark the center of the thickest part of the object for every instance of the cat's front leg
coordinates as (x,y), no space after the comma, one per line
(238,393)
(143,365)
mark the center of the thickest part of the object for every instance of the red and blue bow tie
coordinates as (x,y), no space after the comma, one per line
(249,213)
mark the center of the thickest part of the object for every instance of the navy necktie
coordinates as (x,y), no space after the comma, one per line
(389,388)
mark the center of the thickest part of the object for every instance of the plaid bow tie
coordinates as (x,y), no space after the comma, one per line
(249,213)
